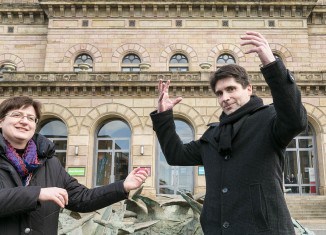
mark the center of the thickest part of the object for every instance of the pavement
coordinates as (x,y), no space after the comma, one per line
(316,226)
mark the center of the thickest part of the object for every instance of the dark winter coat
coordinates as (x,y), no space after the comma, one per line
(20,210)
(244,193)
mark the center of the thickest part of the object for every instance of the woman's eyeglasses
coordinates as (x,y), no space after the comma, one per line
(19,115)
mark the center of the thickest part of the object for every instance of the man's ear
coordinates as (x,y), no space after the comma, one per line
(249,89)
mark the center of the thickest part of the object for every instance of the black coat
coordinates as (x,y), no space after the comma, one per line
(20,210)
(244,193)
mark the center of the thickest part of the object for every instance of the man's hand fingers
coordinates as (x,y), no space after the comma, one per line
(160,98)
(177,101)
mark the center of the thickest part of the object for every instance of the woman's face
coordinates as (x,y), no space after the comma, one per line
(18,126)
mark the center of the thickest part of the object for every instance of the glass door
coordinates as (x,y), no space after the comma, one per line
(300,166)
(172,179)
(112,152)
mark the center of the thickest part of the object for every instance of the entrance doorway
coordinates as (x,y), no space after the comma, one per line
(300,173)
(172,179)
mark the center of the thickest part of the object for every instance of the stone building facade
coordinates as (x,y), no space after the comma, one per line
(95,66)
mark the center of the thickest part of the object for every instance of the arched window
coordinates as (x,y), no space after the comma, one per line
(225,59)
(179,63)
(300,171)
(113,152)
(130,63)
(172,179)
(83,62)
(56,131)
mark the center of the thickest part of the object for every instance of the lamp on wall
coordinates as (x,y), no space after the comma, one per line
(76,150)
(142,149)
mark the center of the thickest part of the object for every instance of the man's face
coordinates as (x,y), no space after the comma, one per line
(18,131)
(231,95)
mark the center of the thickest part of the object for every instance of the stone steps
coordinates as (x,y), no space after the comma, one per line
(307,207)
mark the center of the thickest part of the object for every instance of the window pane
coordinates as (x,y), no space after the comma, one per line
(306,162)
(60,144)
(178,59)
(292,144)
(104,162)
(113,139)
(121,163)
(291,164)
(305,143)
(300,164)
(54,129)
(225,59)
(115,129)
(105,144)
(62,158)
(83,59)
(173,69)
(184,131)
(122,144)
(308,131)
(174,178)
(131,59)
(135,69)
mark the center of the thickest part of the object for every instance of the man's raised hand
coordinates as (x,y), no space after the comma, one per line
(164,102)
(260,46)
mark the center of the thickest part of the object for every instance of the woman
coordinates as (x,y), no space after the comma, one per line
(33,184)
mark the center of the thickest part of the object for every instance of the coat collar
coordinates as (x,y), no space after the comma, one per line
(208,136)
(45,147)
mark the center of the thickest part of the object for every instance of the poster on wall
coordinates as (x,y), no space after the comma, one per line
(201,170)
(76,171)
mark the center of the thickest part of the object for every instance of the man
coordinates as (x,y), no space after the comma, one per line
(243,155)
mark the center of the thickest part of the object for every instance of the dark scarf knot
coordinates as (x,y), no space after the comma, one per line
(225,130)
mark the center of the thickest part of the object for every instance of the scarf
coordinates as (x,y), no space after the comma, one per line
(224,134)
(26,164)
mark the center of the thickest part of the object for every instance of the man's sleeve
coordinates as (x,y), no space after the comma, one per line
(291,116)
(175,152)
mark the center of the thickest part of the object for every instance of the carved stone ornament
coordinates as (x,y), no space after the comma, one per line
(84,66)
(205,65)
(144,66)
(9,67)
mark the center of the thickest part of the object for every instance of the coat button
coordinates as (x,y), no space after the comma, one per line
(226,224)
(225,190)
(227,157)
(27,230)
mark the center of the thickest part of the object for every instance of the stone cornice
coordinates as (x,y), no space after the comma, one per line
(138,84)
(22,14)
(35,13)
(318,16)
(163,2)
(179,8)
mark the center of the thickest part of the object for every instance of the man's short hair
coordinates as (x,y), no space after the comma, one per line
(231,70)
(19,102)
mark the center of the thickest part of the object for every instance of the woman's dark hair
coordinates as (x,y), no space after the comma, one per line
(19,102)
(230,70)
